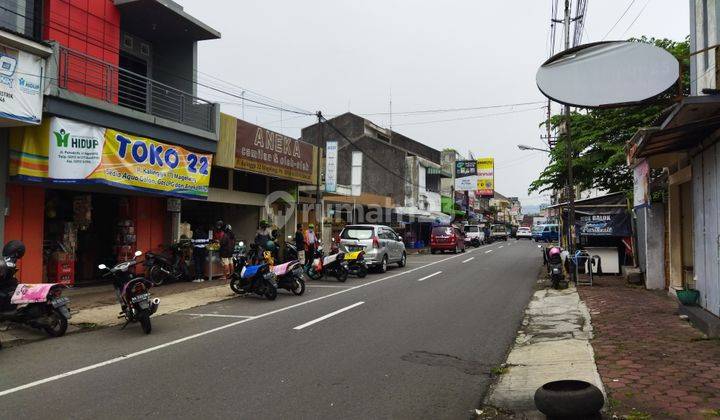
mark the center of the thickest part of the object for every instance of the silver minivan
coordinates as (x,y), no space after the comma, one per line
(381,244)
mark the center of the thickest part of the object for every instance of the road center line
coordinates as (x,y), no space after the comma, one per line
(329,286)
(431,275)
(204,333)
(488,251)
(501,246)
(324,317)
(218,315)
(469,259)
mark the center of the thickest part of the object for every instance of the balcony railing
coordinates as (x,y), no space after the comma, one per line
(92,77)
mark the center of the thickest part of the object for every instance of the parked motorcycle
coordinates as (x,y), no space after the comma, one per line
(163,268)
(355,263)
(40,306)
(553,258)
(255,278)
(331,265)
(133,292)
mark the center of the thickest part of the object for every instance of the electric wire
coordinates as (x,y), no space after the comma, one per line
(636,18)
(619,19)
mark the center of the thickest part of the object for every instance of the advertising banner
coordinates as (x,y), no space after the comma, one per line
(617,225)
(331,161)
(266,152)
(465,175)
(486,177)
(21,87)
(641,178)
(66,151)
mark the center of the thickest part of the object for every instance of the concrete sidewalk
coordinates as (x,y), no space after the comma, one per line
(552,344)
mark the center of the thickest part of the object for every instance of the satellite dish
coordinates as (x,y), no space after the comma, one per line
(608,74)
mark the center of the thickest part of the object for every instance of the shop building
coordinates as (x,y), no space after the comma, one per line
(373,173)
(123,140)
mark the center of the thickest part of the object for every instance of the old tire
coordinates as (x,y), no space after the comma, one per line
(569,399)
(58,324)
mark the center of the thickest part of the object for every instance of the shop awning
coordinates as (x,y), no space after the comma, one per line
(689,123)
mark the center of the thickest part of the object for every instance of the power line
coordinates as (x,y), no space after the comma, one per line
(636,17)
(619,19)
(470,117)
(445,110)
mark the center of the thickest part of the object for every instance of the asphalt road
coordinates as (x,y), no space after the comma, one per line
(418,342)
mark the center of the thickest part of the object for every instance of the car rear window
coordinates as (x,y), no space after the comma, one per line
(471,228)
(442,230)
(357,233)
(499,228)
(524,229)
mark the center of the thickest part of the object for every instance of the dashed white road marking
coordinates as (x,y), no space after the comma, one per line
(324,317)
(488,251)
(217,315)
(469,259)
(431,275)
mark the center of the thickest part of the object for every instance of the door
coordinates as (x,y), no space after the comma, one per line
(391,244)
(384,242)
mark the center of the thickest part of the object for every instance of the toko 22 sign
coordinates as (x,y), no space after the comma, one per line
(81,153)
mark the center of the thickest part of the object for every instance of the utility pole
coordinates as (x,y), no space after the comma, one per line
(569,154)
(318,201)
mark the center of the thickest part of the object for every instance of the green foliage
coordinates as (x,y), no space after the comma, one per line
(599,136)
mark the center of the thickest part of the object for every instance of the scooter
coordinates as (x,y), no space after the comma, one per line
(258,278)
(355,263)
(555,267)
(331,265)
(133,293)
(40,306)
(161,268)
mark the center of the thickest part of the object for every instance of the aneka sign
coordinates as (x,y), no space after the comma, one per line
(20,86)
(68,151)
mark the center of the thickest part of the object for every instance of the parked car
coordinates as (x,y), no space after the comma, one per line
(447,238)
(474,235)
(381,244)
(546,233)
(523,233)
(499,232)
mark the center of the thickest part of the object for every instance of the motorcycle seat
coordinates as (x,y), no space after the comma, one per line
(250,270)
(160,258)
(282,269)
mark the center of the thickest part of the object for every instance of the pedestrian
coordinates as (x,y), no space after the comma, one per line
(310,244)
(300,243)
(200,241)
(227,246)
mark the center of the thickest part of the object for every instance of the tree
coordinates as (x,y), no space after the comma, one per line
(599,136)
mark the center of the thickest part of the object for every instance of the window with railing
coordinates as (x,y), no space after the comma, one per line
(98,79)
(22,17)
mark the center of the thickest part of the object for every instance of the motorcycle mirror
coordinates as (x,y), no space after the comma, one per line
(289,237)
(241,243)
(138,253)
(102,266)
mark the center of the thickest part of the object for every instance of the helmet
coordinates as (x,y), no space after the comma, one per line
(219,224)
(264,223)
(14,249)
(270,245)
(311,226)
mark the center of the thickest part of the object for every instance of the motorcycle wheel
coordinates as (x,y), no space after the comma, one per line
(298,286)
(362,272)
(156,275)
(271,293)
(235,286)
(342,274)
(58,324)
(314,274)
(145,323)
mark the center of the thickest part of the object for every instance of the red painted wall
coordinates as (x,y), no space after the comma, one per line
(92,28)
(25,222)
(150,214)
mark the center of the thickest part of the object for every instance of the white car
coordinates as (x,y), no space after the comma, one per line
(474,235)
(523,233)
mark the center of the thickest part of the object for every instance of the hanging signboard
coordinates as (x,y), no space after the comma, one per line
(465,175)
(641,190)
(617,225)
(486,177)
(21,76)
(331,160)
(66,151)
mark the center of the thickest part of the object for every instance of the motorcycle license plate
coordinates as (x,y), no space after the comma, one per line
(353,248)
(56,303)
(140,298)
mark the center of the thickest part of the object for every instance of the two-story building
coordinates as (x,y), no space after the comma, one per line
(123,136)
(381,177)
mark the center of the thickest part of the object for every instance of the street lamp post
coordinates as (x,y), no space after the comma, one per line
(524,147)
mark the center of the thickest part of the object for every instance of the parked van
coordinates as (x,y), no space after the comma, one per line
(474,235)
(546,233)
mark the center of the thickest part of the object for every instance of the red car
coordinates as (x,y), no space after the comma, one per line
(447,238)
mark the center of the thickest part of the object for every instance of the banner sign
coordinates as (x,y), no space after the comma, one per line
(331,162)
(617,224)
(641,191)
(266,152)
(66,151)
(21,76)
(486,177)
(465,175)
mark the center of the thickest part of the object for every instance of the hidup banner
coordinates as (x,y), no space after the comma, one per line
(20,86)
(66,151)
(486,177)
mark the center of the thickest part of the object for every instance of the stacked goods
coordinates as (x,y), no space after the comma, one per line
(125,239)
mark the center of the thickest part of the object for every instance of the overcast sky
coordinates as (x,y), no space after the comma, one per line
(340,55)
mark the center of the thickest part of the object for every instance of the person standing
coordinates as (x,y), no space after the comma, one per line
(200,241)
(227,246)
(310,244)
(300,243)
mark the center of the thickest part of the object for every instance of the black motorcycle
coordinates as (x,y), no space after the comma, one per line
(133,292)
(255,278)
(40,306)
(162,268)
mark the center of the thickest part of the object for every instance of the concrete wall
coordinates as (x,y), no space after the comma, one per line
(4,140)
(174,64)
(653,243)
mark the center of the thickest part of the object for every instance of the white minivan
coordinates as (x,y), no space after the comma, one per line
(474,235)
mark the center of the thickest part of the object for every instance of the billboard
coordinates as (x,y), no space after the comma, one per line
(21,75)
(331,162)
(71,152)
(486,177)
(465,175)
(641,191)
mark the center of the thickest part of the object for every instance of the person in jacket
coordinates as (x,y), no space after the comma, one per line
(227,246)
(200,241)
(300,243)
(311,243)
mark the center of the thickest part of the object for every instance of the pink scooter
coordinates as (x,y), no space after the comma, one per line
(289,276)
